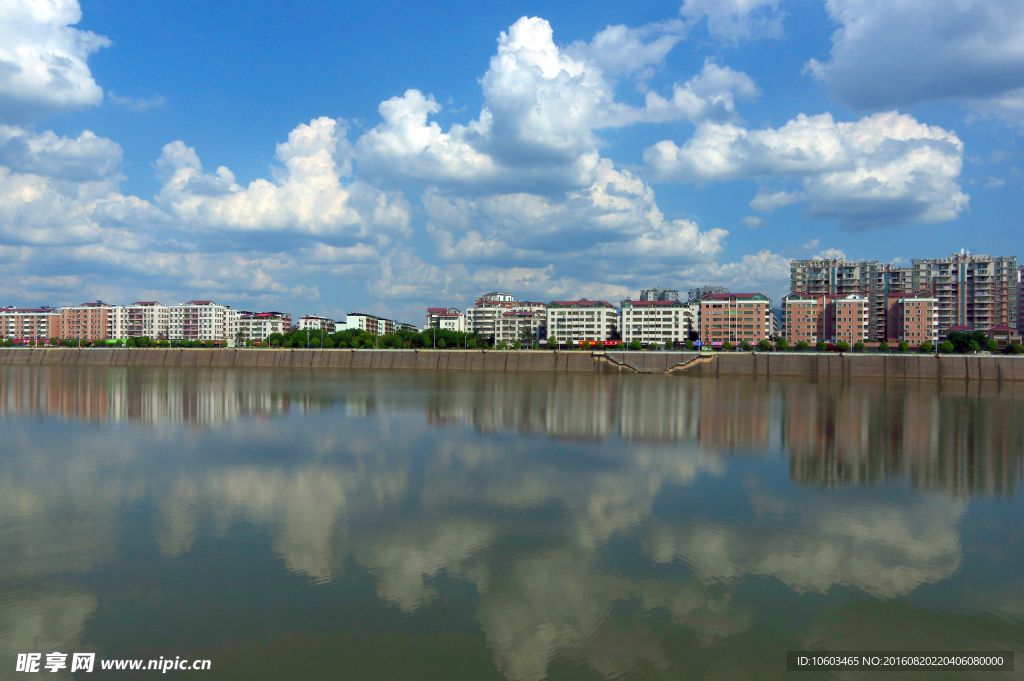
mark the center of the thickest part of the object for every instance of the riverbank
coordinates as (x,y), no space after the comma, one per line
(821,365)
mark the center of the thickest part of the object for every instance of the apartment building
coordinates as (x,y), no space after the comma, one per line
(142,318)
(804,318)
(582,320)
(485,315)
(22,324)
(695,294)
(976,291)
(447,318)
(314,323)
(659,294)
(734,317)
(256,326)
(655,321)
(851,320)
(520,325)
(372,324)
(202,320)
(1020,298)
(919,320)
(88,321)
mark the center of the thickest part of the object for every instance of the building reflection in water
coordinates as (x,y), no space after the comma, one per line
(963,438)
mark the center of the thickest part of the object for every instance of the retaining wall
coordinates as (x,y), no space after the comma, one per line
(977,367)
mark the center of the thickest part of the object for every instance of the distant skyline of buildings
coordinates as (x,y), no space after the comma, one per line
(831,300)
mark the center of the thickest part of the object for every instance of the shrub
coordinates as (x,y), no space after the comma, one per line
(1015,348)
(634,345)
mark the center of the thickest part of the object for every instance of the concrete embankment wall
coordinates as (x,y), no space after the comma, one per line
(956,367)
(828,366)
(442,360)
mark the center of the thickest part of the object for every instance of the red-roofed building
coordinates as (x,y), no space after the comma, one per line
(734,317)
(315,323)
(256,326)
(1004,335)
(520,325)
(29,324)
(445,318)
(582,320)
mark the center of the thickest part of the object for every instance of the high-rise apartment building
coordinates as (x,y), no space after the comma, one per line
(1020,298)
(976,291)
(659,294)
(919,320)
(256,326)
(734,317)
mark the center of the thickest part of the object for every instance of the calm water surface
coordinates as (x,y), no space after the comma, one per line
(354,525)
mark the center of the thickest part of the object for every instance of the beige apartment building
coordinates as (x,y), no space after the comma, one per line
(23,324)
(734,317)
(88,321)
(520,325)
(256,326)
(484,318)
(143,318)
(202,320)
(919,320)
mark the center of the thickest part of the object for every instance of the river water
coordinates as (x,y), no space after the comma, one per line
(296,524)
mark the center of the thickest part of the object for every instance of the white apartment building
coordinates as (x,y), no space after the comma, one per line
(484,317)
(378,326)
(520,325)
(656,321)
(256,327)
(143,318)
(582,320)
(314,323)
(202,320)
(446,318)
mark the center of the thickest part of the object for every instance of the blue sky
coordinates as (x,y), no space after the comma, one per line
(322,157)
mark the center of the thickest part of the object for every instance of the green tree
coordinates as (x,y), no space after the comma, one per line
(926,348)
(859,346)
(991,345)
(745,346)
(782,344)
(843,346)
(727,346)
(688,344)
(802,346)
(518,345)
(883,347)
(635,345)
(946,347)
(821,346)
(903,346)
(552,343)
(764,345)
(973,346)
(442,343)
(1015,348)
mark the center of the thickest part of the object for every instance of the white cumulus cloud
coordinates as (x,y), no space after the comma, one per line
(885,169)
(43,59)
(896,53)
